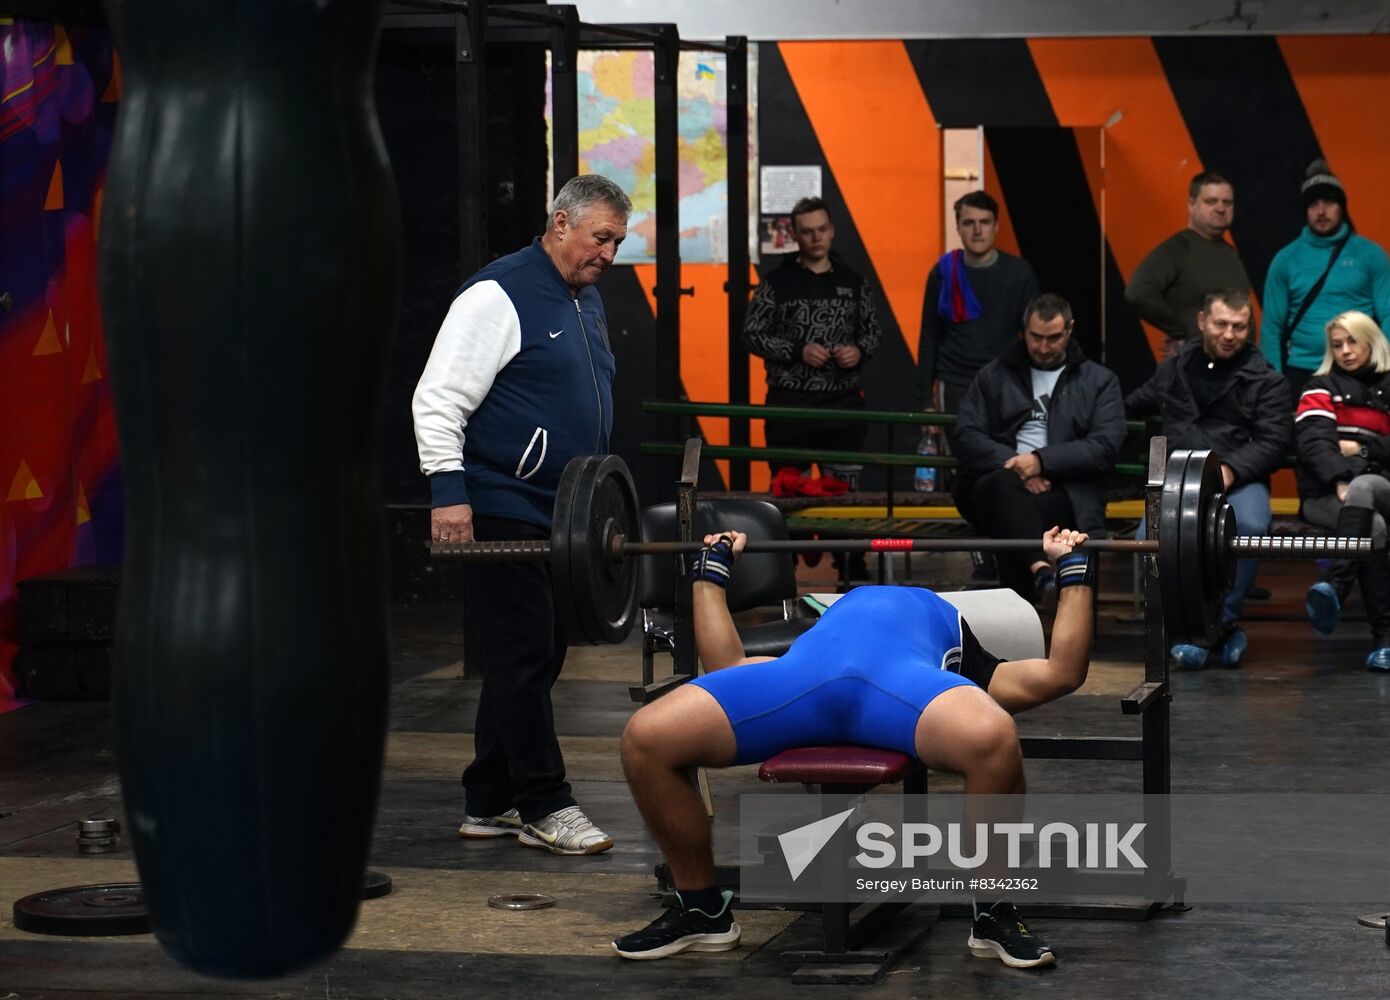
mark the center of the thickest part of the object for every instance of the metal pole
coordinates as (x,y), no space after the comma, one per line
(665,59)
(470,77)
(1155,726)
(736,103)
(564,98)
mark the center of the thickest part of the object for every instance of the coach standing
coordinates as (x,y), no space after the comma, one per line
(518,383)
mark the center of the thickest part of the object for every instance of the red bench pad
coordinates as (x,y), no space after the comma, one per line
(838,765)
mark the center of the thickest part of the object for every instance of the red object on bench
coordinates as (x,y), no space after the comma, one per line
(838,765)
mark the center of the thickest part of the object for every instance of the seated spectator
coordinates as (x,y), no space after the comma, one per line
(1037,431)
(1220,393)
(1342,426)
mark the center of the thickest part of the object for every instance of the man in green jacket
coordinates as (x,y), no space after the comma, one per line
(1359,279)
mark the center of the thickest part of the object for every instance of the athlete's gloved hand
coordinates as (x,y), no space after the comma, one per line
(1075,567)
(715,562)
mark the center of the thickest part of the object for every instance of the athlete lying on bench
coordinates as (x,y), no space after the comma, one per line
(934,694)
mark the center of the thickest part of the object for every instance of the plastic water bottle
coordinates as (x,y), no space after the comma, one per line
(924,476)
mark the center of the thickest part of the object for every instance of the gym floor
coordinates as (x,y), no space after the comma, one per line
(1302,715)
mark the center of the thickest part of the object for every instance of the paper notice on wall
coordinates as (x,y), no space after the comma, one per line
(782,187)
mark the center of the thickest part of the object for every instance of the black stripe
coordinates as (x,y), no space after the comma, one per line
(987,81)
(1043,182)
(1247,121)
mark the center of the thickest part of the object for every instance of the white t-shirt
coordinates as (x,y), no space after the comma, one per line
(1032,436)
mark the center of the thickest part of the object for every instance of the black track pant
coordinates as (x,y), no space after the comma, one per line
(1000,506)
(514,641)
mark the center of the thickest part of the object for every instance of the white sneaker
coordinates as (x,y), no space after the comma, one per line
(480,827)
(565,831)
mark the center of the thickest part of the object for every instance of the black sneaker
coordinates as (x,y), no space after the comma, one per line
(1000,933)
(679,929)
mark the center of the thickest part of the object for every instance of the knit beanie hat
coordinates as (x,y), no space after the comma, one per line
(1321,182)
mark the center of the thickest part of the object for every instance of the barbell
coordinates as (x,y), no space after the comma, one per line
(596,535)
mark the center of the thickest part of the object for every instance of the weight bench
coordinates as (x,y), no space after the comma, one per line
(855,949)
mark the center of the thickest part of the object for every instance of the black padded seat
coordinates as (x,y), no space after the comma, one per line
(773,638)
(760,579)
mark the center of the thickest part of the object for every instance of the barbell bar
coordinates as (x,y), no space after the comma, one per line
(595,547)
(1242,547)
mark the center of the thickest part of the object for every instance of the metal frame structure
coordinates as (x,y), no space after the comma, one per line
(477,22)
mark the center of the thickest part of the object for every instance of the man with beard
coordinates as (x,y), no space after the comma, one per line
(1328,270)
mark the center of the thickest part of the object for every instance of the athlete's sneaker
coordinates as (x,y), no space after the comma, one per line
(1000,933)
(1379,659)
(565,831)
(480,827)
(1188,657)
(1323,606)
(679,929)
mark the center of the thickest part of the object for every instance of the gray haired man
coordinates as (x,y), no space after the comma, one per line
(519,382)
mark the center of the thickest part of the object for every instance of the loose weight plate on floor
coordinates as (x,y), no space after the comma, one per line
(85,911)
(521,901)
(375,885)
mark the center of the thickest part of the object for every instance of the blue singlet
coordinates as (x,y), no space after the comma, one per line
(862,675)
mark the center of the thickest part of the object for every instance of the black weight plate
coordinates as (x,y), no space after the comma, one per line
(85,911)
(375,885)
(1169,563)
(562,545)
(1220,529)
(604,591)
(1203,592)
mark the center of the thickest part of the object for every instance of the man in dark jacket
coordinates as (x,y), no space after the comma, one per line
(1220,393)
(1037,431)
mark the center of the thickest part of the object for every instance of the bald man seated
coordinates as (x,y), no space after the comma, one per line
(891,667)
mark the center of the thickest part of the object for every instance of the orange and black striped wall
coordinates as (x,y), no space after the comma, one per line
(1256,108)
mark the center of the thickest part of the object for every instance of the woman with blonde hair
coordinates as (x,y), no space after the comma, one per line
(1342,426)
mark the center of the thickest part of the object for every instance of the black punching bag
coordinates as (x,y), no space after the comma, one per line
(249,277)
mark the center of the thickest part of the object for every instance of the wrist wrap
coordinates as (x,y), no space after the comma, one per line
(1076,569)
(713,563)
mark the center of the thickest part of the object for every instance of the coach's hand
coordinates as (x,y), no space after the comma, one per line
(452,524)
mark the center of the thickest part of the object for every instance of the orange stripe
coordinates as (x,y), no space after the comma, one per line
(1341,81)
(1149,155)
(705,353)
(884,149)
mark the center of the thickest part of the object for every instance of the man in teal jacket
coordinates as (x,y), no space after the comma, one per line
(1360,280)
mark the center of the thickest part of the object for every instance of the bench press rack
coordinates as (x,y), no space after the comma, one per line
(859,943)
